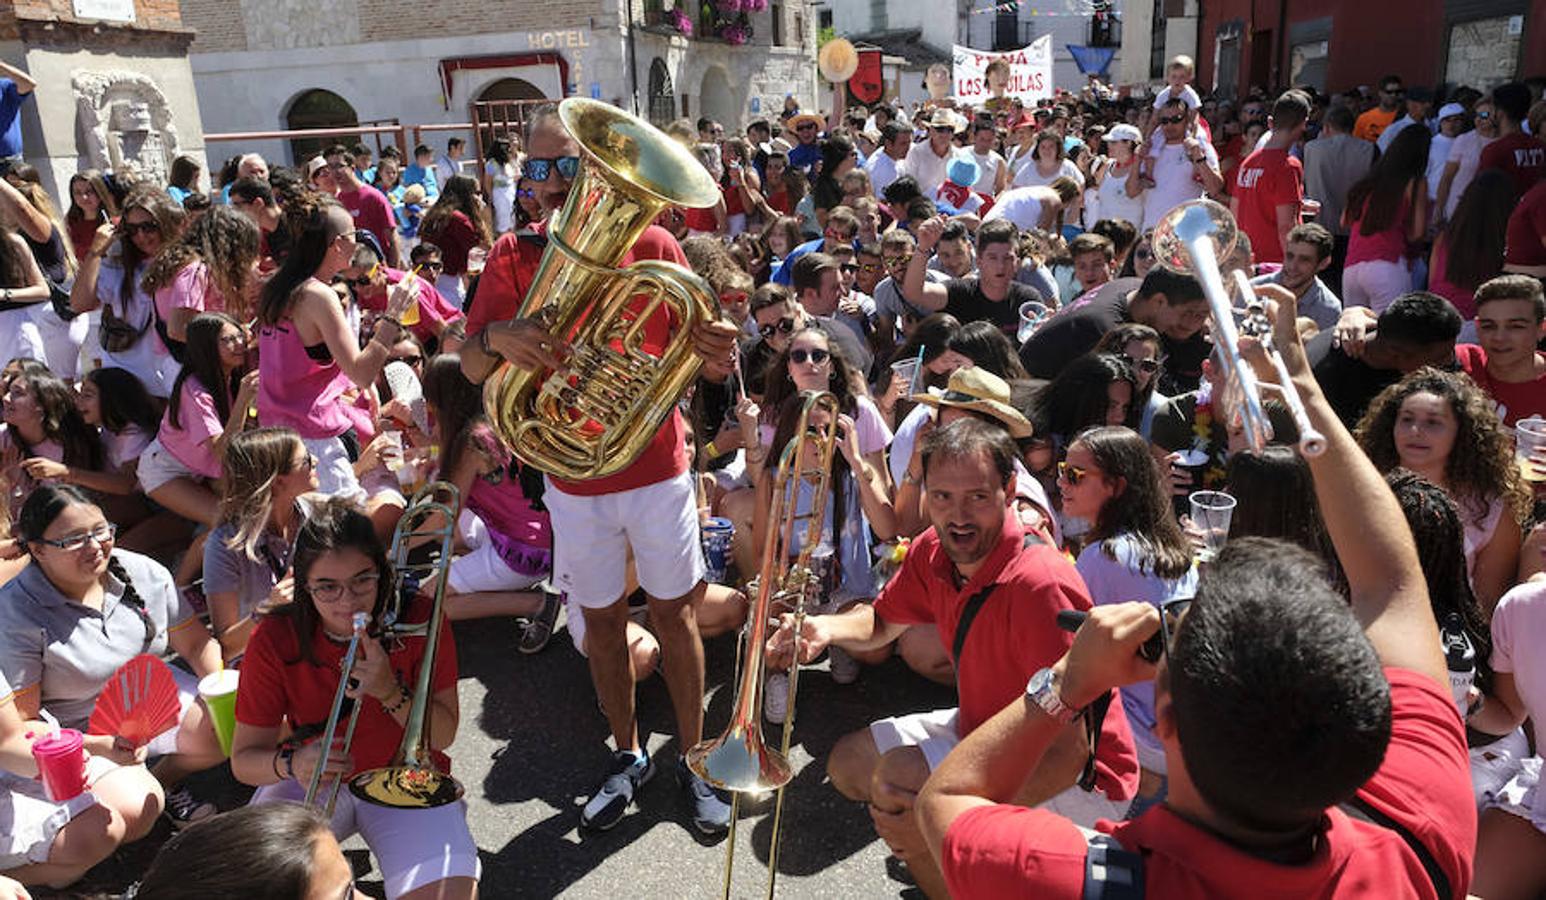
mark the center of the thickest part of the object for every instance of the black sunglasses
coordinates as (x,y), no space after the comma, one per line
(783,326)
(816,356)
(542,169)
(140,227)
(1073,474)
(362,281)
(1171,120)
(1146,366)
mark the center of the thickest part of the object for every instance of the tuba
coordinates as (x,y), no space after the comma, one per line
(739,760)
(595,414)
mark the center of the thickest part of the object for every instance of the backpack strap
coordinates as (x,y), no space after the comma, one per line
(1111,872)
(974,606)
(1358,808)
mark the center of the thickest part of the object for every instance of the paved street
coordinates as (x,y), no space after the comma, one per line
(532,744)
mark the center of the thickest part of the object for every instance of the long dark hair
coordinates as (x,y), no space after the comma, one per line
(1474,236)
(1142,510)
(1379,196)
(499,150)
(13,259)
(459,195)
(204,366)
(987,347)
(1115,342)
(828,193)
(335,524)
(124,400)
(311,234)
(842,476)
(457,404)
(61,421)
(1440,536)
(265,852)
(780,387)
(168,217)
(98,184)
(1277,500)
(1076,399)
(932,335)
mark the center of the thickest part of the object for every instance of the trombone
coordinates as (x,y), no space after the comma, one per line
(1191,240)
(421,556)
(738,760)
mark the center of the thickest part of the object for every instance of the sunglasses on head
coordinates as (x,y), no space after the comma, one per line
(816,356)
(542,169)
(1171,120)
(782,326)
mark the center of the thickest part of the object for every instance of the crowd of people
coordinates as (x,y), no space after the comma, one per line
(217,407)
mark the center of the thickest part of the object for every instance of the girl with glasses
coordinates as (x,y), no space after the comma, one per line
(1134,550)
(81,609)
(268,472)
(290,674)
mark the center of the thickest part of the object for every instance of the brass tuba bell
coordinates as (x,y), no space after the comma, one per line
(595,414)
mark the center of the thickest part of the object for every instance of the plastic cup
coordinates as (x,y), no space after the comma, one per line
(908,370)
(717,535)
(1211,512)
(1530,441)
(61,759)
(219,692)
(1031,315)
(475,260)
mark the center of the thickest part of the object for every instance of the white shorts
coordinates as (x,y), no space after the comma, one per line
(934,733)
(592,535)
(158,466)
(1521,796)
(1493,766)
(574,622)
(335,473)
(482,568)
(413,847)
(1375,283)
(32,821)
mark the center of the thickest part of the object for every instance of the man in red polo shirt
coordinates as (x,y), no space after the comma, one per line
(650,507)
(1269,184)
(1313,744)
(994,593)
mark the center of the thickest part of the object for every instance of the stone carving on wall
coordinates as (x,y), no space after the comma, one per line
(288,24)
(124,123)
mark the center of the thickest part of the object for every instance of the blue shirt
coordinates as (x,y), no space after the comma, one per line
(805,156)
(10,117)
(425,175)
(784,274)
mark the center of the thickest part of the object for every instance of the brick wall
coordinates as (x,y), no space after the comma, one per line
(391,20)
(162,15)
(219,25)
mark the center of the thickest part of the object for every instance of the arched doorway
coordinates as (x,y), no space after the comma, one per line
(318,108)
(662,97)
(716,101)
(511,89)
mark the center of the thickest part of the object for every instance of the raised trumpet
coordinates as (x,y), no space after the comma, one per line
(1191,240)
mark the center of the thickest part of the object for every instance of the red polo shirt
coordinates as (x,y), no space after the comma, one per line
(1014,635)
(1424,784)
(507,274)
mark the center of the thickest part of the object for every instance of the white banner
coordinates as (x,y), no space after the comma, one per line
(1030,72)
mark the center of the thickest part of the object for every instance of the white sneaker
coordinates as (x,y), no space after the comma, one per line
(775,697)
(845,669)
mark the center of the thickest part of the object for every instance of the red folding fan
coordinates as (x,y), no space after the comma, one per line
(139,702)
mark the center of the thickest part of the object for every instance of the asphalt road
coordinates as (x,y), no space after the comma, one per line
(533,744)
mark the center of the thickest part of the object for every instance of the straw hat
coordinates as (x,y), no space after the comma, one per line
(800,116)
(946,118)
(979,390)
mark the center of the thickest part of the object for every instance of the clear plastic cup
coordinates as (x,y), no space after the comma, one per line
(1211,512)
(1031,315)
(908,370)
(1530,441)
(476,257)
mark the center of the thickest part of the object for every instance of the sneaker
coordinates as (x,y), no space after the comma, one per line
(184,809)
(775,697)
(710,806)
(845,669)
(537,630)
(629,773)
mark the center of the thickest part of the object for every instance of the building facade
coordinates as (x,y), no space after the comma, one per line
(115,91)
(1334,46)
(269,65)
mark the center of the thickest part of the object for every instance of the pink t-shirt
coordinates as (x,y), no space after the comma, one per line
(198,423)
(191,288)
(1439,283)
(434,309)
(1388,245)
(497,499)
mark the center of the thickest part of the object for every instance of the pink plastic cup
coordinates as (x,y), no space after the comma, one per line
(61,762)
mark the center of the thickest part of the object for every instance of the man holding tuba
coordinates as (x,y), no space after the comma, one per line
(650,507)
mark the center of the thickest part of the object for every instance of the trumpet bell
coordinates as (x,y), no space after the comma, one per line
(406,787)
(1187,222)
(740,761)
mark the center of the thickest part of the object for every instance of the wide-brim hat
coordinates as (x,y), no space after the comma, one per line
(800,116)
(979,390)
(947,118)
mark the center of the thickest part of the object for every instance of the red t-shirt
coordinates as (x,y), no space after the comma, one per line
(1518,400)
(1266,180)
(1526,229)
(1520,156)
(454,238)
(372,211)
(1014,635)
(509,270)
(1424,784)
(275,690)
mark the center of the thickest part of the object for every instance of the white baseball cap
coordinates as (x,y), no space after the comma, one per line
(1124,132)
(1451,109)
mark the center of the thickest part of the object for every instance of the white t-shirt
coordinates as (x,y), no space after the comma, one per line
(927,168)
(1175,180)
(1438,157)
(883,170)
(1020,205)
(1188,96)
(1113,202)
(1029,176)
(989,164)
(1466,152)
(1518,627)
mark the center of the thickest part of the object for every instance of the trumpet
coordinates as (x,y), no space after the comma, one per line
(1191,240)
(738,760)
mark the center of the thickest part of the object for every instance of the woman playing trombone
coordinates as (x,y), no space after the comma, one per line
(290,676)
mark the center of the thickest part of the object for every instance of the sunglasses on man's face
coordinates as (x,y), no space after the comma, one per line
(805,126)
(1171,120)
(782,326)
(542,169)
(816,356)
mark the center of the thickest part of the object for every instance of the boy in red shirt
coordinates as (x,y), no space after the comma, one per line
(1521,156)
(1510,311)
(1269,184)
(1279,704)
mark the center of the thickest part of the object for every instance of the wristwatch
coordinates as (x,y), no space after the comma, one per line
(1045,691)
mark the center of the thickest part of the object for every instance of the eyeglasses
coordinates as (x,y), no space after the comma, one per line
(805,126)
(1143,253)
(305,464)
(131,228)
(1483,115)
(1394,92)
(1146,366)
(361,281)
(899,260)
(330,591)
(817,357)
(871,267)
(1170,623)
(233,340)
(849,268)
(525,193)
(1073,474)
(782,326)
(945,128)
(1171,120)
(541,169)
(102,534)
(832,234)
(436,266)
